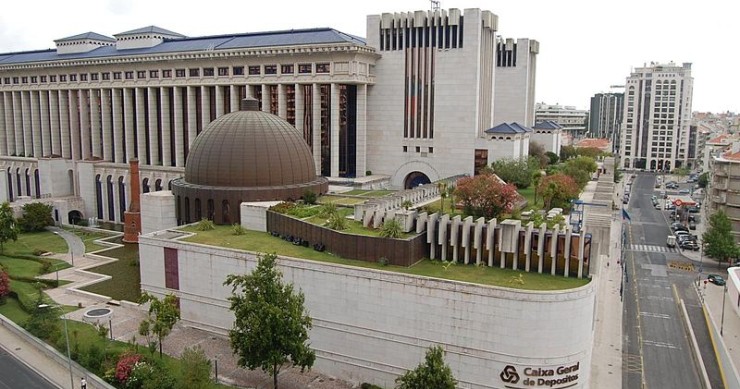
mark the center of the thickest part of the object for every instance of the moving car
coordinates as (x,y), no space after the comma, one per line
(689,245)
(716,279)
(671,241)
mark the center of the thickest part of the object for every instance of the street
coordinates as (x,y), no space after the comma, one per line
(14,374)
(657,352)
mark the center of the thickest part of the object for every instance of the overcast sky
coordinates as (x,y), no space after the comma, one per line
(585,46)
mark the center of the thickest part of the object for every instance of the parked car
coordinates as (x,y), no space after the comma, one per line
(716,279)
(693,209)
(689,245)
(684,191)
(669,206)
(692,225)
(657,206)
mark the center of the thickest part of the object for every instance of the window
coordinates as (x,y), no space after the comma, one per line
(116,75)
(24,80)
(304,68)
(431,150)
(286,69)
(83,77)
(43,79)
(34,79)
(154,74)
(194,72)
(207,72)
(223,71)
(167,73)
(53,78)
(129,75)
(405,149)
(141,74)
(7,80)
(93,76)
(418,149)
(237,70)
(72,77)
(254,70)
(62,78)
(322,68)
(270,69)
(106,76)
(179,72)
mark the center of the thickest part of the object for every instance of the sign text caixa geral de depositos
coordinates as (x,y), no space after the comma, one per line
(559,377)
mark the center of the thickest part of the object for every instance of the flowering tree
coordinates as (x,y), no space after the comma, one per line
(4,285)
(125,366)
(485,195)
(558,189)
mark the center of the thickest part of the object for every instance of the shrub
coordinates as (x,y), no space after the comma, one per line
(283,207)
(383,261)
(125,366)
(309,197)
(238,229)
(205,225)
(328,210)
(196,369)
(391,229)
(336,222)
(36,216)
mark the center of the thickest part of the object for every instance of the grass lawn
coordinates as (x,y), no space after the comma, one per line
(529,195)
(369,193)
(340,200)
(13,311)
(28,242)
(126,281)
(89,238)
(264,242)
(20,267)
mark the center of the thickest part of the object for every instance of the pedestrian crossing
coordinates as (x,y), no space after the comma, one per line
(652,248)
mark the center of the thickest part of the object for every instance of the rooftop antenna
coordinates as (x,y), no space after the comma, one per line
(435,4)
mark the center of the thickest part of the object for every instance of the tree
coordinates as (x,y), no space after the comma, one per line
(703,180)
(558,190)
(4,285)
(554,158)
(271,324)
(162,316)
(433,373)
(44,321)
(536,178)
(36,217)
(591,152)
(442,188)
(486,195)
(196,369)
(537,151)
(718,239)
(8,226)
(515,171)
(567,152)
(581,169)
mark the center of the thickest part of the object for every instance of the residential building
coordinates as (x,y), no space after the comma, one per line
(724,190)
(410,104)
(657,116)
(605,117)
(572,121)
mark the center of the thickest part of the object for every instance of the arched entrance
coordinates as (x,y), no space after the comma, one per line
(415,179)
(74,217)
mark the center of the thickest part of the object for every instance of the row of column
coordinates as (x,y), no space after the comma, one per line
(155,124)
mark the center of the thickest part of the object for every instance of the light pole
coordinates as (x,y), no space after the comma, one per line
(722,320)
(66,338)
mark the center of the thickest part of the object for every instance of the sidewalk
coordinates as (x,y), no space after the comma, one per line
(731,328)
(125,324)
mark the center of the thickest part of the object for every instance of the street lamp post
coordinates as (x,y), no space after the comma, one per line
(66,338)
(722,320)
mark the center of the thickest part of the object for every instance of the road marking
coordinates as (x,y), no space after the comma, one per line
(656,315)
(652,248)
(661,298)
(660,344)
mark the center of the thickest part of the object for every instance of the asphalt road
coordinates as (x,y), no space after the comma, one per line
(657,353)
(15,375)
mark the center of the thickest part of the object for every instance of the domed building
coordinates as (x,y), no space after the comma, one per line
(248,155)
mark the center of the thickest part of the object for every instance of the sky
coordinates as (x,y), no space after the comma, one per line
(586,47)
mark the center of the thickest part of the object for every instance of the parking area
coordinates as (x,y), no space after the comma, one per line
(680,198)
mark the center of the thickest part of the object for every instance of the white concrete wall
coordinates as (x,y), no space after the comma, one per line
(157,211)
(371,326)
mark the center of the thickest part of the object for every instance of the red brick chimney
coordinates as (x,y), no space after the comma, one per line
(132,217)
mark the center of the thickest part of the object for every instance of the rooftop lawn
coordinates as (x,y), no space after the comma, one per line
(369,193)
(89,237)
(126,281)
(222,236)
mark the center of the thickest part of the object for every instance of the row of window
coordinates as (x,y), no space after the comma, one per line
(253,70)
(430,150)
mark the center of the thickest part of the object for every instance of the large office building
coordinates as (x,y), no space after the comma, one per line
(657,116)
(410,104)
(572,121)
(605,116)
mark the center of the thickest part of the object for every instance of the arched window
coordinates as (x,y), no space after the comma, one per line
(198,214)
(187,210)
(99,196)
(121,196)
(225,212)
(10,185)
(111,207)
(37,180)
(145,185)
(158,185)
(211,210)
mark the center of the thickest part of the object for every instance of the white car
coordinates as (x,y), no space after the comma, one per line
(669,206)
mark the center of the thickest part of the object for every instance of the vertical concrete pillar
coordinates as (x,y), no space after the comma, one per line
(528,246)
(55,124)
(541,247)
(455,238)
(9,133)
(164,117)
(568,238)
(316,114)
(107,124)
(84,112)
(444,226)
(96,122)
(554,249)
(300,100)
(466,242)
(234,97)
(265,98)
(129,126)
(179,124)
(220,108)
(192,116)
(490,242)
(26,127)
(74,124)
(334,130)
(282,102)
(361,130)
(119,136)
(141,128)
(3,141)
(36,125)
(64,124)
(154,129)
(581,251)
(205,107)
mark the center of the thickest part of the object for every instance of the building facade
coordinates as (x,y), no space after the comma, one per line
(605,117)
(411,103)
(516,67)
(572,121)
(657,116)
(724,193)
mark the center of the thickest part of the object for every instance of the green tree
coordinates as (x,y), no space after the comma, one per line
(196,369)
(718,239)
(554,158)
(44,321)
(442,188)
(162,316)
(537,151)
(703,180)
(433,373)
(536,178)
(271,324)
(8,226)
(309,197)
(567,152)
(391,228)
(36,217)
(516,171)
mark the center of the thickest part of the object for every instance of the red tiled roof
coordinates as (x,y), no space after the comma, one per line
(720,139)
(732,156)
(594,142)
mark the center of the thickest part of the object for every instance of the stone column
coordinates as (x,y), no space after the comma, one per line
(334,130)
(234,98)
(55,125)
(36,126)
(119,137)
(192,116)
(282,102)
(107,116)
(361,130)
(316,107)
(129,126)
(153,128)
(96,122)
(164,117)
(220,108)
(205,108)
(299,110)
(26,127)
(74,124)
(141,115)
(3,131)
(64,124)
(179,124)
(265,98)
(9,133)
(84,112)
